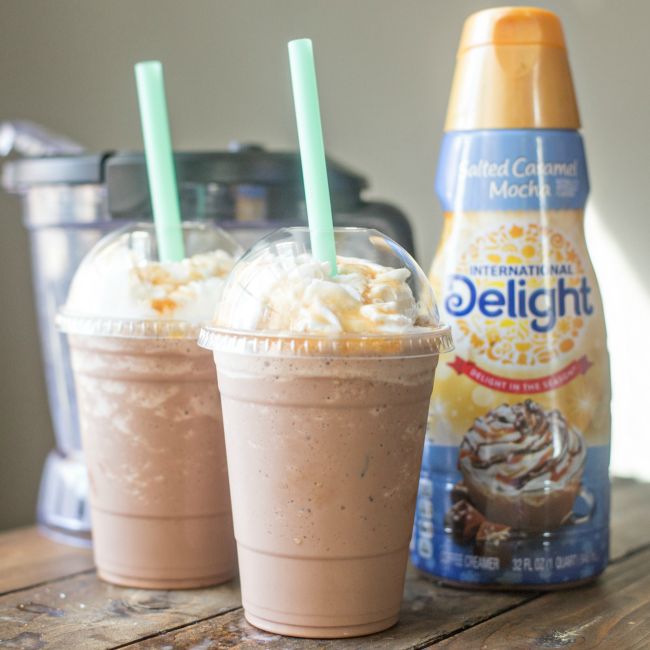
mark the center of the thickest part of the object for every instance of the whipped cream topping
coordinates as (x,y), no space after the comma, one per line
(522,447)
(119,283)
(297,294)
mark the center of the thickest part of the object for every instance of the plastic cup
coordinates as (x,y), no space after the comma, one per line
(324,437)
(152,433)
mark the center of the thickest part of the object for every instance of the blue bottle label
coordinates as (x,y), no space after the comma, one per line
(512,170)
(514,488)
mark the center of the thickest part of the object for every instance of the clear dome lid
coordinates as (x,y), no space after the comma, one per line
(279,289)
(121,287)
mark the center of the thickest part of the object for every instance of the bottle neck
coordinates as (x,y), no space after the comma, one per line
(512,87)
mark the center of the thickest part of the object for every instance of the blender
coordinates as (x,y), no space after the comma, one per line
(71,198)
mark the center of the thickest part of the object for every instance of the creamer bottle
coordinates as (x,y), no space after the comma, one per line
(514,487)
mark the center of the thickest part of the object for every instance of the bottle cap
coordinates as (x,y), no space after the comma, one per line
(512,72)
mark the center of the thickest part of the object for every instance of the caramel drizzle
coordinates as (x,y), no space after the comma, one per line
(530,431)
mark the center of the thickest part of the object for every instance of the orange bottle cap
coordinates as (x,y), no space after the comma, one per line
(512,72)
(512,26)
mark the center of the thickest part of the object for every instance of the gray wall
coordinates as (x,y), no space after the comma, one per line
(385,69)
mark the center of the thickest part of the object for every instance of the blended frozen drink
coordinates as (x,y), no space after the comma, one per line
(149,408)
(325,383)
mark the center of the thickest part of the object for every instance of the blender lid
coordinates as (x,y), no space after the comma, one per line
(79,169)
(125,173)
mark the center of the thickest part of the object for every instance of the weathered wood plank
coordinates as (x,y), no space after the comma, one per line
(613,612)
(429,612)
(88,613)
(27,558)
(84,612)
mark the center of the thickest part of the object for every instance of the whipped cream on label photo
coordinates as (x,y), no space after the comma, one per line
(522,447)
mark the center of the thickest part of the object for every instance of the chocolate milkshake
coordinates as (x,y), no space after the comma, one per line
(324,383)
(150,411)
(330,448)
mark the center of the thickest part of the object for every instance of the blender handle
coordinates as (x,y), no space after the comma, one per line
(30,139)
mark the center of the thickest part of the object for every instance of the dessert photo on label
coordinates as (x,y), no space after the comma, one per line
(522,473)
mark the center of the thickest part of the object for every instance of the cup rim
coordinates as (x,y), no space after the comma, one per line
(143,328)
(431,341)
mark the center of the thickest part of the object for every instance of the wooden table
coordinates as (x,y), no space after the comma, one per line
(50,597)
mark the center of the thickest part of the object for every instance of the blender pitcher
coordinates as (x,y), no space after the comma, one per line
(71,198)
(64,220)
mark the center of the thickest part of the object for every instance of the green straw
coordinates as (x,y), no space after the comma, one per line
(312,151)
(160,160)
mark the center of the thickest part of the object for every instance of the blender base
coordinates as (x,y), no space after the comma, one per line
(63,509)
